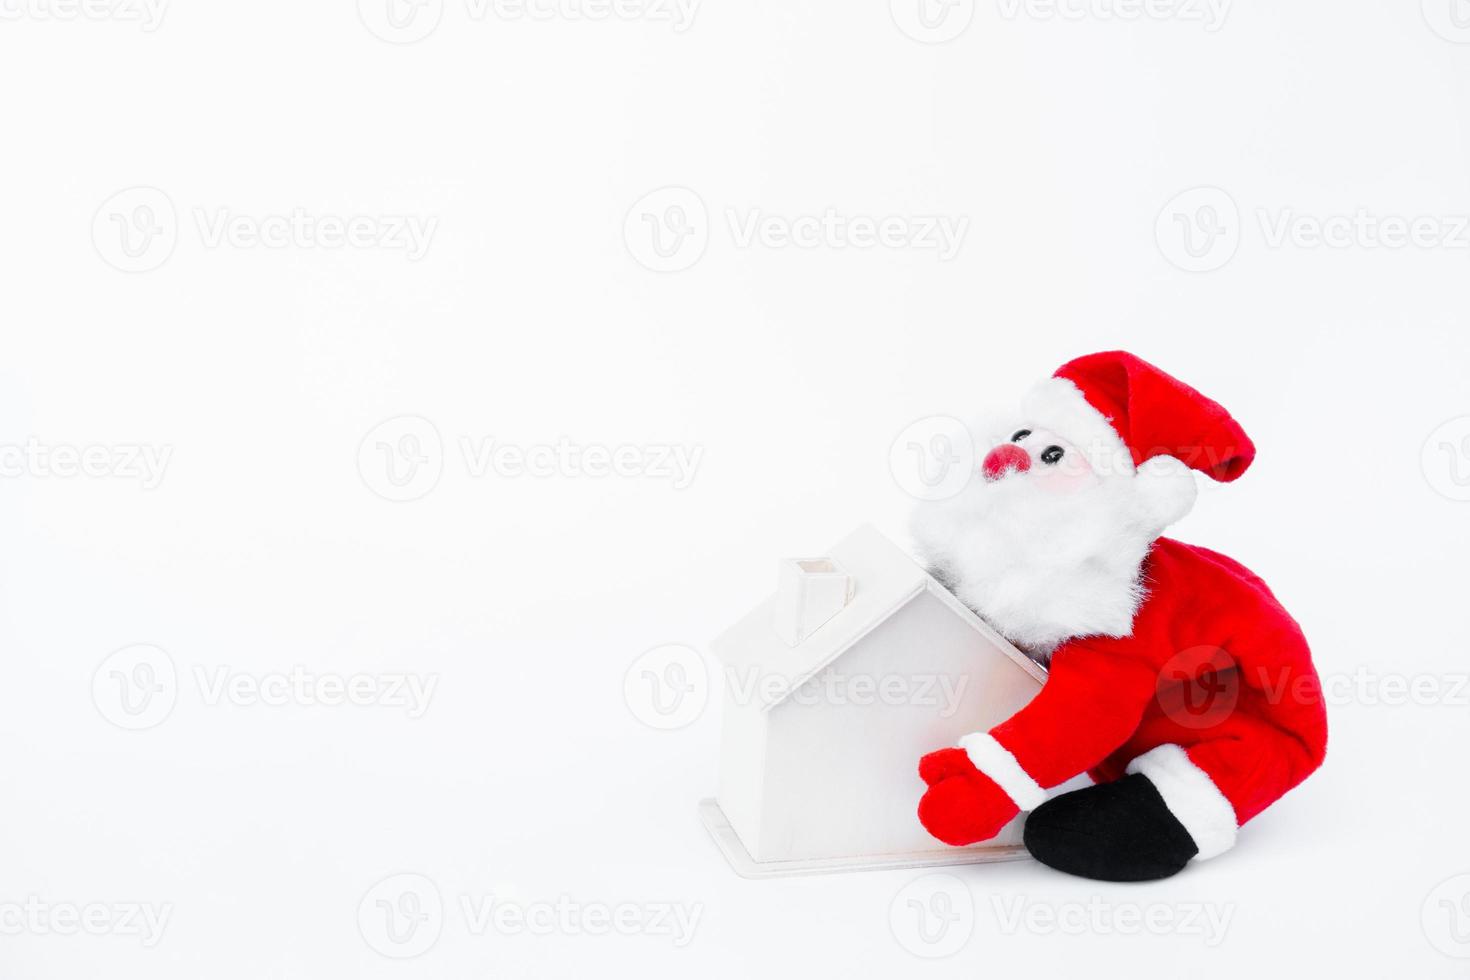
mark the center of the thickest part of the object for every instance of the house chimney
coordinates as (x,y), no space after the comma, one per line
(809,591)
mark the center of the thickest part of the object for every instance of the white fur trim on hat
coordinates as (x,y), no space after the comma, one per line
(1192,797)
(1058,404)
(996,761)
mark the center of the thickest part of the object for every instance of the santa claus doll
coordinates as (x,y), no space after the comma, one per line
(1176,679)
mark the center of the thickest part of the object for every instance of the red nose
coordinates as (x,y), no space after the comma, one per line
(1003,458)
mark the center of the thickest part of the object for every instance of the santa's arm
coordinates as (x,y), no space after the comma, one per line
(1090,704)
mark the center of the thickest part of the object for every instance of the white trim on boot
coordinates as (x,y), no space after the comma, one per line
(1192,797)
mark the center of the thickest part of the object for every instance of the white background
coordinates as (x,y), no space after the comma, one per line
(269,545)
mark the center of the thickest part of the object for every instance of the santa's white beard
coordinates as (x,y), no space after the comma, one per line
(1042,567)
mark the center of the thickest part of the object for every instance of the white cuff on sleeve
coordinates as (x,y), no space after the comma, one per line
(996,761)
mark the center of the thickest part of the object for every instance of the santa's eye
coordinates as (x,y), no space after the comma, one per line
(1020,434)
(1051,454)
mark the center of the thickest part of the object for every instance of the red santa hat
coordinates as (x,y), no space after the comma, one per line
(1128,417)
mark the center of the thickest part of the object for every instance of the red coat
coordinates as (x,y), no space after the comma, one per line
(1214,665)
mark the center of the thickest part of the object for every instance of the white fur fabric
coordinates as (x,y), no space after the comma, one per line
(1042,567)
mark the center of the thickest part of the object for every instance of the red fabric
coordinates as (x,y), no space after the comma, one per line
(1214,664)
(962,805)
(1004,458)
(1156,414)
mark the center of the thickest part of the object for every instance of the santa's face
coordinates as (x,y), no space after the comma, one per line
(1043,459)
(1040,542)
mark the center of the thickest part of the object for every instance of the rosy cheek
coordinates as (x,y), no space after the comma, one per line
(1070,473)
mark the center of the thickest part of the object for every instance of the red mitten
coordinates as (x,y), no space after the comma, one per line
(945,763)
(962,805)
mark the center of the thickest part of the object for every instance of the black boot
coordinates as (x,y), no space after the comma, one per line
(1118,831)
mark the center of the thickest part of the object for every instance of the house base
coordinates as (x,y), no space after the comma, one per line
(747,867)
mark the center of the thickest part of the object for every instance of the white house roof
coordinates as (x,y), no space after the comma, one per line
(885,579)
